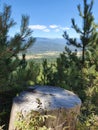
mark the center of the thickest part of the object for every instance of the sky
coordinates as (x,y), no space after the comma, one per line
(48,18)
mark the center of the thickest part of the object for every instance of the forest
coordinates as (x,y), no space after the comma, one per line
(77,73)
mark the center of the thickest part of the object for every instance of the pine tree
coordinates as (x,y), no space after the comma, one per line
(79,72)
(88,34)
(11,46)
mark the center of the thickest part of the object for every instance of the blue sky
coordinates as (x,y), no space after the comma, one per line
(48,18)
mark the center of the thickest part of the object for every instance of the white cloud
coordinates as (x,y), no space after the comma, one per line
(57,30)
(58,27)
(53,26)
(37,27)
(46,30)
(64,28)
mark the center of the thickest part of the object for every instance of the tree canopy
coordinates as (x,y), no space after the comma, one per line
(11,46)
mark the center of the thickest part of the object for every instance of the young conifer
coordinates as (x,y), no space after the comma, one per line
(11,46)
(87,33)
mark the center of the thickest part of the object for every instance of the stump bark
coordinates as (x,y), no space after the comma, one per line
(64,105)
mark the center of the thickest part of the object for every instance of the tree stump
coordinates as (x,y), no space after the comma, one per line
(58,102)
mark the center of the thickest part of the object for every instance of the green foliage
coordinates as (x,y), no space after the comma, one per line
(87,33)
(88,123)
(47,74)
(9,61)
(11,46)
(33,121)
(79,73)
(67,64)
(25,77)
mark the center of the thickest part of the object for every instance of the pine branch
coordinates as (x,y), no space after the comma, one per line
(76,28)
(72,41)
(80,12)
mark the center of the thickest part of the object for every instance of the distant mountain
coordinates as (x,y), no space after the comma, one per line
(45,45)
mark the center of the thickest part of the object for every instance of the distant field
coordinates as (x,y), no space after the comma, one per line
(50,56)
(46,48)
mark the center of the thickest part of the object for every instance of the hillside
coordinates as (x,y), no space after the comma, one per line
(45,47)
